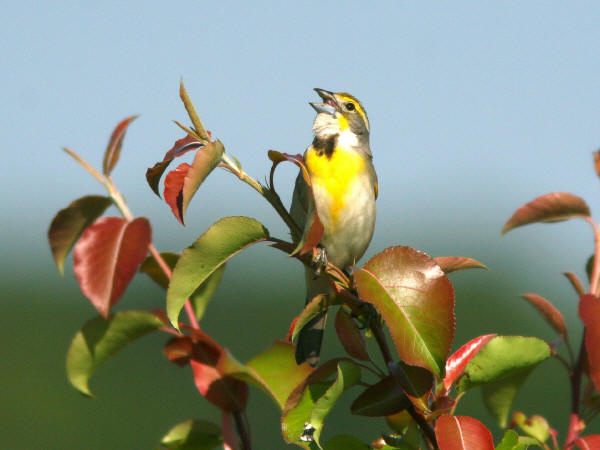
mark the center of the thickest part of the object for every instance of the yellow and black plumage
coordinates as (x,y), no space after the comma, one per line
(340,166)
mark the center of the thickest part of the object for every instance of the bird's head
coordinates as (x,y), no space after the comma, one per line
(339,112)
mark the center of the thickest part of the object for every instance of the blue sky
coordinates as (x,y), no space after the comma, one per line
(475,108)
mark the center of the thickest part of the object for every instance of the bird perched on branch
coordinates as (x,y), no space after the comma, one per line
(344,184)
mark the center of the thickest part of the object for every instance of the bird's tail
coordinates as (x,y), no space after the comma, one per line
(310,338)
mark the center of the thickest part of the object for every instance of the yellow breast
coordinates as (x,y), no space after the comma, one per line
(335,173)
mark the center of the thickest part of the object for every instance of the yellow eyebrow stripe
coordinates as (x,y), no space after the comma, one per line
(359,109)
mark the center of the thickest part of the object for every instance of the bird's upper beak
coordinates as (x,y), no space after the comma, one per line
(329,105)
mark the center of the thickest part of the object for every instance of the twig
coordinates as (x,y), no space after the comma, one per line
(575,379)
(121,205)
(397,372)
(241,425)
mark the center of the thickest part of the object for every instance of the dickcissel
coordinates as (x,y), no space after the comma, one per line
(344,183)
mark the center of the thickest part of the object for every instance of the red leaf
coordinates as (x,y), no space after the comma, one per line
(113,149)
(181,147)
(313,233)
(451,264)
(462,433)
(223,391)
(589,312)
(182,183)
(591,442)
(455,365)
(550,313)
(575,283)
(416,301)
(288,336)
(174,189)
(597,162)
(178,350)
(107,256)
(551,207)
(350,336)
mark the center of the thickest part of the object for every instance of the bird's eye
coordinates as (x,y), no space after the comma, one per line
(350,106)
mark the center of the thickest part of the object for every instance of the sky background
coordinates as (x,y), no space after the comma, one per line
(475,109)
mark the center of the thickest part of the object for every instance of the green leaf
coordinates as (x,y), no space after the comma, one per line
(277,372)
(384,398)
(151,268)
(100,338)
(69,223)
(416,300)
(214,248)
(526,442)
(274,371)
(499,395)
(502,366)
(189,106)
(200,297)
(205,291)
(193,435)
(553,207)
(345,442)
(503,356)
(536,426)
(348,375)
(509,441)
(316,306)
(308,406)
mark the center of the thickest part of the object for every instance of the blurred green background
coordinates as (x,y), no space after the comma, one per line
(475,109)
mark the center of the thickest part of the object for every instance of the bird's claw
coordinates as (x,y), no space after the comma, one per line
(319,262)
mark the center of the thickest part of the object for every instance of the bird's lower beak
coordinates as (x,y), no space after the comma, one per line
(329,105)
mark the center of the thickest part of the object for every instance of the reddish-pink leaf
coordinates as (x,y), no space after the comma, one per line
(416,300)
(455,365)
(113,149)
(107,256)
(182,183)
(597,162)
(312,233)
(350,336)
(574,280)
(451,264)
(181,147)
(462,433)
(589,312)
(552,207)
(550,313)
(591,442)
(442,405)
(178,350)
(174,189)
(223,391)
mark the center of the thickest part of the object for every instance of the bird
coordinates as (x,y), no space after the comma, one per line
(344,190)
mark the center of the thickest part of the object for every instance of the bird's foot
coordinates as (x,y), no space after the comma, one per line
(319,262)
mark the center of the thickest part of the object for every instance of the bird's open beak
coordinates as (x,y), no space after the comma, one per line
(329,105)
